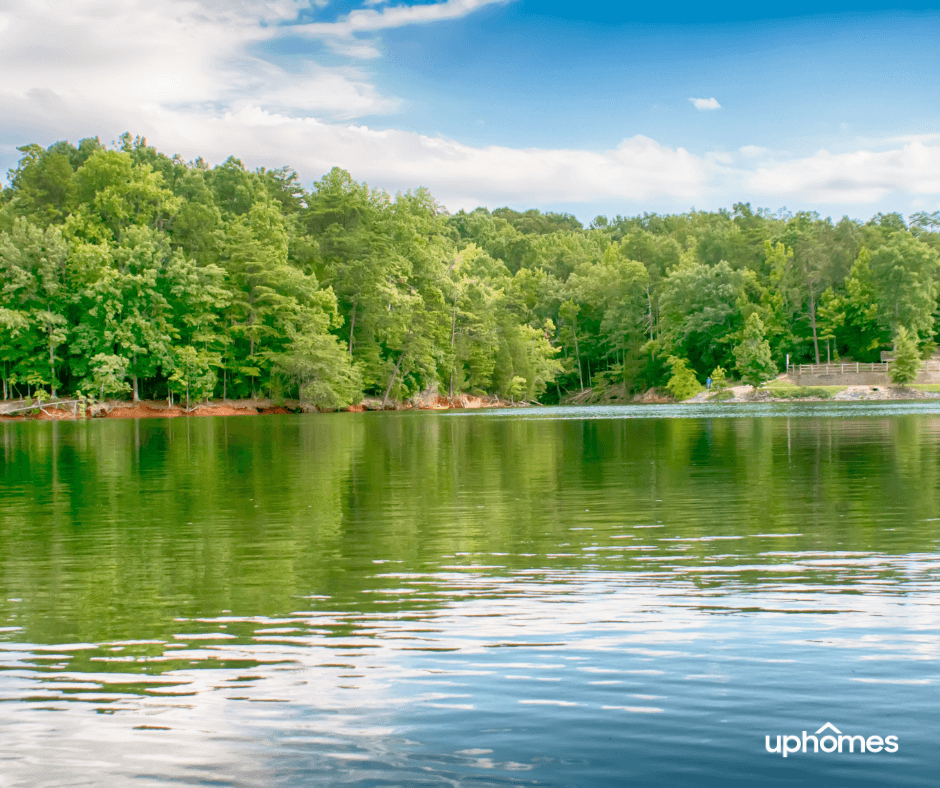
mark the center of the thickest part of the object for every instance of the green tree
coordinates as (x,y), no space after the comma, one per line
(719,378)
(907,362)
(194,373)
(682,383)
(34,291)
(752,353)
(864,334)
(700,310)
(318,367)
(906,276)
(108,375)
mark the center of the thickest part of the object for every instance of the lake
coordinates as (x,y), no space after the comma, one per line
(545,597)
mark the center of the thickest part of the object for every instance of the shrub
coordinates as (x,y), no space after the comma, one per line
(752,353)
(719,378)
(683,383)
(801,392)
(906,365)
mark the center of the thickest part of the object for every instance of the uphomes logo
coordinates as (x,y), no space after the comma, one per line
(833,741)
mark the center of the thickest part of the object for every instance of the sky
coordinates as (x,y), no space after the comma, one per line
(587,108)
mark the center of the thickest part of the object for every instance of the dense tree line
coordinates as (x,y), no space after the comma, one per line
(127,272)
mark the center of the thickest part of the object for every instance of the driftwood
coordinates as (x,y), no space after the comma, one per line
(40,405)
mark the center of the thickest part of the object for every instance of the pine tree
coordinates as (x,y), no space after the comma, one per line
(683,383)
(752,353)
(906,365)
(719,378)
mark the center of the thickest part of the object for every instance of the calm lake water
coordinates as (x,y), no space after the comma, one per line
(552,597)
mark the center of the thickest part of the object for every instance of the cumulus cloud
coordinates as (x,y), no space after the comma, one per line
(855,177)
(169,53)
(463,176)
(702,104)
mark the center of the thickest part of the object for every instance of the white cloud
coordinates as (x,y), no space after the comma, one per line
(858,177)
(460,176)
(371,20)
(169,53)
(702,104)
(351,47)
(340,36)
(187,75)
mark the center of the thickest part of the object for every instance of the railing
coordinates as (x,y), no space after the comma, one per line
(855,367)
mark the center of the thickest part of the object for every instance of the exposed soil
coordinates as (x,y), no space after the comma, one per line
(159,409)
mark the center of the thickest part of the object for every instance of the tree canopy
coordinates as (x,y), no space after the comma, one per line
(128,272)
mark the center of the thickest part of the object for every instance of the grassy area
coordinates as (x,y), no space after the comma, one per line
(786,390)
(721,396)
(934,387)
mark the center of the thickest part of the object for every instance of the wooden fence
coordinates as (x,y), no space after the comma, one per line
(931,365)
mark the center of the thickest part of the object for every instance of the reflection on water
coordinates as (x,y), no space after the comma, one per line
(552,597)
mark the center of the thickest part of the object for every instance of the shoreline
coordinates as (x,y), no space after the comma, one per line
(848,393)
(160,409)
(71,410)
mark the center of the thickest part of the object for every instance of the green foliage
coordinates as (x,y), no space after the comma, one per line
(719,378)
(752,353)
(108,375)
(907,361)
(802,392)
(127,271)
(682,383)
(320,369)
(194,373)
(905,271)
(700,309)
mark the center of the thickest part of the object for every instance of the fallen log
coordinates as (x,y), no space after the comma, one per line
(40,406)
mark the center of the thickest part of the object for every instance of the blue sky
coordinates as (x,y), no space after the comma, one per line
(588,108)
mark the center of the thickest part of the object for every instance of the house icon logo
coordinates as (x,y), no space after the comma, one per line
(829,739)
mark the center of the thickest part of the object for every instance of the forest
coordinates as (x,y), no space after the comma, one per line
(128,273)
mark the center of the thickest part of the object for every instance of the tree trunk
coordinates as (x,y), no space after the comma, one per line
(453,334)
(224,381)
(5,389)
(251,355)
(392,381)
(352,328)
(812,320)
(649,300)
(577,354)
(51,364)
(136,397)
